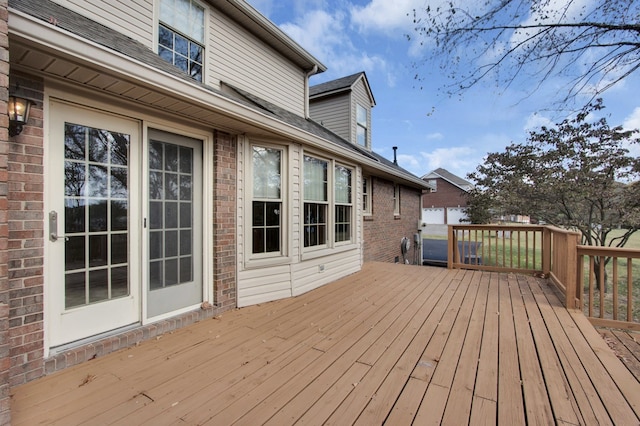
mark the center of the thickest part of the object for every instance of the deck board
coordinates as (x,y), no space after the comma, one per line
(394,344)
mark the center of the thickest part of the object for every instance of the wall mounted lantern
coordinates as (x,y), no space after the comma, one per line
(18,110)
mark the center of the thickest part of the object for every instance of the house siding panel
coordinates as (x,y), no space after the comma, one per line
(239,58)
(131,18)
(334,114)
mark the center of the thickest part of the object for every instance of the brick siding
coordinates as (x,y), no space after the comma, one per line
(5,341)
(447,195)
(383,230)
(26,238)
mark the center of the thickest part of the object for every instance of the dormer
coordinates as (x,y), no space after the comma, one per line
(344,107)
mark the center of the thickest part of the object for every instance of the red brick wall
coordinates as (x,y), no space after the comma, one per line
(383,230)
(5,347)
(26,233)
(447,195)
(225,213)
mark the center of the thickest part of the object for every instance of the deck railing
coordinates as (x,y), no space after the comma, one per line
(576,271)
(611,292)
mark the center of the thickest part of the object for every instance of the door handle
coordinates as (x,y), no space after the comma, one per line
(53,227)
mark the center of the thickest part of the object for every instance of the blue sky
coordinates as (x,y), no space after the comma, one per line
(430,129)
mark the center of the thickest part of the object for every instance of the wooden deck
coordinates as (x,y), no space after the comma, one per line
(393,344)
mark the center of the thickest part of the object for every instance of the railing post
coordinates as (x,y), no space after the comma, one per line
(546,250)
(571,277)
(450,244)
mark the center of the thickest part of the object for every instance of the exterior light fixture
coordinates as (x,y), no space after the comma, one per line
(18,110)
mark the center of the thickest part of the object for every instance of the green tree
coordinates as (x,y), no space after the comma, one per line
(577,175)
(594,45)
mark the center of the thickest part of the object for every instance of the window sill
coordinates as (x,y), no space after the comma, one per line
(266,262)
(328,251)
(397,217)
(367,217)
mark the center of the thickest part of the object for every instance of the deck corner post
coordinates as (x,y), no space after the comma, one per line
(546,250)
(571,280)
(450,245)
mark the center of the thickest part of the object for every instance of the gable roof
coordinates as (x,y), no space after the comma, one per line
(449,177)
(341,85)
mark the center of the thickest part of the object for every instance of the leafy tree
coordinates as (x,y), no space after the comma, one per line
(594,44)
(578,175)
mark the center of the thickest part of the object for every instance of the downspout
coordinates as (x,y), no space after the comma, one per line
(306,90)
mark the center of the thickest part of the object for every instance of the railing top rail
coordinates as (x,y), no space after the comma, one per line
(608,251)
(499,227)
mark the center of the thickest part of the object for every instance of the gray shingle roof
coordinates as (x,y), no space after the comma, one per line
(450,177)
(337,85)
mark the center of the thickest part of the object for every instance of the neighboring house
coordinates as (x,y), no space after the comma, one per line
(444,203)
(169,171)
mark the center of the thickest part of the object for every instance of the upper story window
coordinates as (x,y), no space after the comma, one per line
(396,199)
(362,127)
(181,35)
(366,195)
(266,223)
(434,185)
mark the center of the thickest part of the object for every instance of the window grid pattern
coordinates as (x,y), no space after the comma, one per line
(343,203)
(267,200)
(95,215)
(170,215)
(316,201)
(181,35)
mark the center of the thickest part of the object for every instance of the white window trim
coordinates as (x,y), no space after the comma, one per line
(206,44)
(256,260)
(331,247)
(367,203)
(396,199)
(365,126)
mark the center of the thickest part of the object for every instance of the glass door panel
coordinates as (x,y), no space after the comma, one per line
(92,277)
(175,235)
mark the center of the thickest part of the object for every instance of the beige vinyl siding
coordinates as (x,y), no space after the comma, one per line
(263,285)
(259,284)
(308,275)
(333,113)
(239,58)
(133,18)
(361,97)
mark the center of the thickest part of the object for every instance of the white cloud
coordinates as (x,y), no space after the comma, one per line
(630,123)
(458,160)
(391,17)
(325,36)
(633,120)
(535,121)
(435,136)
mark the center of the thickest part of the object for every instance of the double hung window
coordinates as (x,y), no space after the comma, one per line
(342,203)
(266,224)
(327,213)
(316,201)
(181,35)
(361,125)
(366,195)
